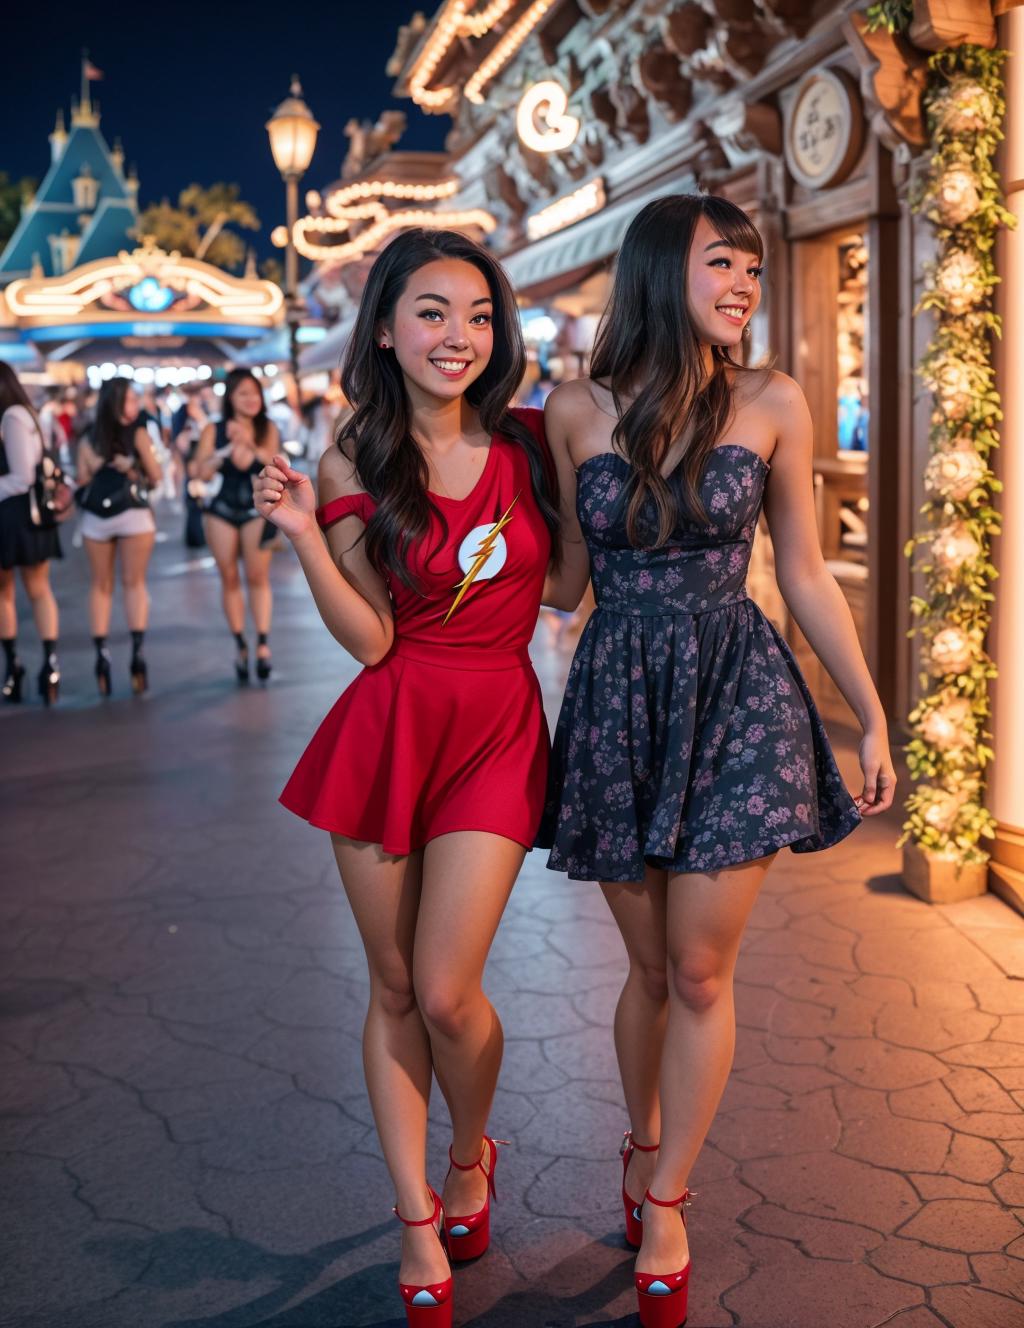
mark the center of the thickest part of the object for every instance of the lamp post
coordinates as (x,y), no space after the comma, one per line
(292,132)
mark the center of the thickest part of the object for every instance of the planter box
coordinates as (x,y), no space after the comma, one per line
(937,880)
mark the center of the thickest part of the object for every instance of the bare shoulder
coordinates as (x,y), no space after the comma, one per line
(336,473)
(782,394)
(567,399)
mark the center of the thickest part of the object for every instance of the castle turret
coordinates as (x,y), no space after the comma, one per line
(58,139)
(117,156)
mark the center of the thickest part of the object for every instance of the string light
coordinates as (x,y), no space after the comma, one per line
(340,199)
(372,236)
(452,23)
(505,50)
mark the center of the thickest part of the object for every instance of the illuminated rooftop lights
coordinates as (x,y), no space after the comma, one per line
(419,193)
(455,22)
(505,50)
(589,198)
(371,237)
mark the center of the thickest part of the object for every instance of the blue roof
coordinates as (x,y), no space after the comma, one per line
(53,209)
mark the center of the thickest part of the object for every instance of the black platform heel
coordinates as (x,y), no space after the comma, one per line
(13,683)
(49,679)
(104,678)
(264,667)
(137,668)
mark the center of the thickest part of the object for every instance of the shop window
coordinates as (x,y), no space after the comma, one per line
(851,338)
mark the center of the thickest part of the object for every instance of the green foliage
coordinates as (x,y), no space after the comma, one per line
(893,15)
(201,215)
(962,198)
(14,194)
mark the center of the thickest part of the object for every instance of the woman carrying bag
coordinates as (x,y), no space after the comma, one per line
(24,543)
(117,468)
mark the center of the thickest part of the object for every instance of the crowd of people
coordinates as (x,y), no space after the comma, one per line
(119,449)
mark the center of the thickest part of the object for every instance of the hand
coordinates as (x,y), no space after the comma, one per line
(122,463)
(879,775)
(285,497)
(240,432)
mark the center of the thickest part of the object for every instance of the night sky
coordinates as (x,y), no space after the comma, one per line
(189,86)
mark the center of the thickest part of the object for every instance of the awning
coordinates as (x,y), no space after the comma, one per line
(581,245)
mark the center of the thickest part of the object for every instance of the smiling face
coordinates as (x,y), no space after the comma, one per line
(723,287)
(440,331)
(246,399)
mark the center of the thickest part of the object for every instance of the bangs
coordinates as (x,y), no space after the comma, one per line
(733,226)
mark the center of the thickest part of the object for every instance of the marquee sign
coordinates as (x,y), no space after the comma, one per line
(541,120)
(147,283)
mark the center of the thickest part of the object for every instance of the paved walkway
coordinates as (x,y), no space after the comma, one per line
(186,1141)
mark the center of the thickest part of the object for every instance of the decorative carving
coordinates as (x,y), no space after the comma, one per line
(941,23)
(735,11)
(746,129)
(501,186)
(686,28)
(794,16)
(657,71)
(367,141)
(892,81)
(598,8)
(632,108)
(551,34)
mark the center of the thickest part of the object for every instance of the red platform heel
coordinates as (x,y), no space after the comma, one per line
(630,1207)
(427,1306)
(469,1237)
(662,1297)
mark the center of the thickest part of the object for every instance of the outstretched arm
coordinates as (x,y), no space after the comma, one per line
(811,592)
(350,596)
(564,586)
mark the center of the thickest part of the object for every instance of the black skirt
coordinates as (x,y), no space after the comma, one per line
(23,544)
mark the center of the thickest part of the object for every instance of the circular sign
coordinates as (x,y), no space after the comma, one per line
(474,545)
(824,129)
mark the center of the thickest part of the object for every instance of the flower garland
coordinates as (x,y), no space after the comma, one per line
(961,197)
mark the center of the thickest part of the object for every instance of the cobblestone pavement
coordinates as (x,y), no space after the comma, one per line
(186,1141)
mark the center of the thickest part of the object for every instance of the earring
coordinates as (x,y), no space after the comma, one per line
(383,345)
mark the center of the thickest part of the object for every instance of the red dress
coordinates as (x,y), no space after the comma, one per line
(447,732)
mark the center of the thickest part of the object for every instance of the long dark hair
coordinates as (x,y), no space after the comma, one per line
(389,464)
(12,393)
(109,437)
(647,345)
(261,421)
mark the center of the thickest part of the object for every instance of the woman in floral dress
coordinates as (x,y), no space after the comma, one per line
(689,750)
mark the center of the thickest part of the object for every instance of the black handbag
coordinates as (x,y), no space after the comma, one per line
(109,493)
(51,498)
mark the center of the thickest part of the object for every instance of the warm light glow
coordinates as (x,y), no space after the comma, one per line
(583,202)
(68,297)
(313,199)
(505,50)
(454,22)
(382,227)
(541,121)
(337,203)
(279,236)
(293,132)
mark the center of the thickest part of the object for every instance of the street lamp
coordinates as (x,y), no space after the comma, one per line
(293,132)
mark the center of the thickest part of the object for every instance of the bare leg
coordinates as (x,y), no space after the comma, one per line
(467,879)
(36,581)
(101,554)
(135,554)
(8,608)
(225,545)
(641,1014)
(384,893)
(257,576)
(705,920)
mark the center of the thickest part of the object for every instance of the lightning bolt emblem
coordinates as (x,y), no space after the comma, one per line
(483,552)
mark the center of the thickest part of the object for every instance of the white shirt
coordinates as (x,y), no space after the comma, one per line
(24,447)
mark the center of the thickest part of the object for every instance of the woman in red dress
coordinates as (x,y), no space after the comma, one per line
(441,520)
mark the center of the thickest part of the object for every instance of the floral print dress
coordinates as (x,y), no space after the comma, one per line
(687,738)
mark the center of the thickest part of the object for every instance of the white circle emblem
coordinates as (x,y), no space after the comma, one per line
(473,545)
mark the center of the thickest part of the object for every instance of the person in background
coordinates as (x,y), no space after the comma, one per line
(24,545)
(187,425)
(229,454)
(119,445)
